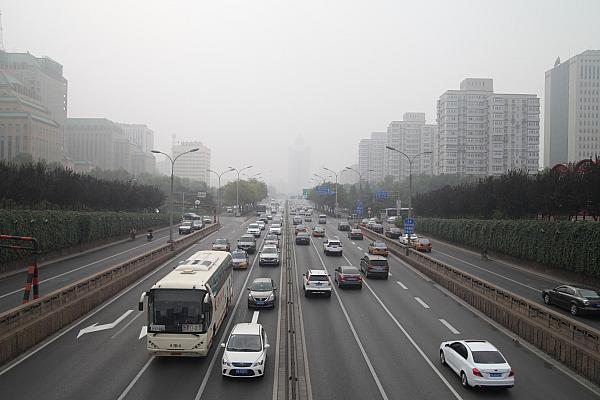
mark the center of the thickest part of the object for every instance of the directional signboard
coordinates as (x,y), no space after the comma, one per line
(409,226)
(322,190)
(359,207)
(381,194)
(305,193)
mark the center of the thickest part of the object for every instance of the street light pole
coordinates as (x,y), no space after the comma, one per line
(237,186)
(219,189)
(336,190)
(171,194)
(410,163)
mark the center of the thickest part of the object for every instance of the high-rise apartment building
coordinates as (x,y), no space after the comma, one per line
(572,109)
(298,167)
(194,165)
(411,136)
(484,133)
(371,157)
(40,82)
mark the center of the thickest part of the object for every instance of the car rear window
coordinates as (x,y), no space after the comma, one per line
(334,243)
(317,278)
(488,357)
(350,270)
(379,263)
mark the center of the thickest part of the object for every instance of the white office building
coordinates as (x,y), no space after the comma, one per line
(411,136)
(193,165)
(484,133)
(572,109)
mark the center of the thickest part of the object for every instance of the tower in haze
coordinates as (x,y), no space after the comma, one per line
(571,117)
(298,167)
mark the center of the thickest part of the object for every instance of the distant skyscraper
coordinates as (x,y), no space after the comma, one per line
(411,136)
(572,109)
(371,157)
(142,159)
(347,177)
(484,133)
(298,167)
(193,165)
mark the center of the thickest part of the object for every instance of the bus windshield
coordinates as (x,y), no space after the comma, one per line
(176,311)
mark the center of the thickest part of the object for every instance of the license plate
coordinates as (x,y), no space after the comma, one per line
(318,284)
(241,371)
(495,374)
(597,305)
(260,302)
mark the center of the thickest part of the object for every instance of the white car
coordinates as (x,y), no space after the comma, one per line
(332,246)
(316,281)
(275,229)
(477,362)
(404,239)
(269,255)
(245,353)
(253,229)
(261,225)
(391,220)
(272,239)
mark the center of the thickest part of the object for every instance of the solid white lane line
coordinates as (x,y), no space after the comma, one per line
(412,341)
(447,325)
(278,339)
(136,378)
(127,324)
(422,302)
(491,272)
(402,285)
(224,335)
(356,338)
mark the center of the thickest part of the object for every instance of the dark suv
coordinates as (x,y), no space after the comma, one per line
(343,226)
(374,266)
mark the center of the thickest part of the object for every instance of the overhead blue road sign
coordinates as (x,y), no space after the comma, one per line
(381,194)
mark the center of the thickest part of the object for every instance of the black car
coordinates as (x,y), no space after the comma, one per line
(377,228)
(393,233)
(247,243)
(576,299)
(186,228)
(343,226)
(303,238)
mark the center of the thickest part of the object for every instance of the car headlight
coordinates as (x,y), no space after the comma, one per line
(586,302)
(226,361)
(257,363)
(250,296)
(271,297)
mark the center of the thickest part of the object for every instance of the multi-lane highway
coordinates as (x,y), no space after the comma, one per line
(380,342)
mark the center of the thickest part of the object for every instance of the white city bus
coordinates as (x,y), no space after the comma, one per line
(186,307)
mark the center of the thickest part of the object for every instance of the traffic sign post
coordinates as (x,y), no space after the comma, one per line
(409,229)
(359,207)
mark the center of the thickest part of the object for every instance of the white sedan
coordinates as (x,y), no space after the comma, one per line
(245,352)
(404,239)
(477,362)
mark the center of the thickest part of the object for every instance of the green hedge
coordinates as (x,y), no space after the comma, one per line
(57,230)
(571,246)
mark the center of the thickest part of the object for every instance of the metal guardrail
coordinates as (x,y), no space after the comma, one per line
(571,342)
(26,325)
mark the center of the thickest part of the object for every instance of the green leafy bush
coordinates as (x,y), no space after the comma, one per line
(566,245)
(57,230)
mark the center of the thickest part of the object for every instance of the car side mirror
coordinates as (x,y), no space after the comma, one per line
(223,345)
(446,345)
(267,346)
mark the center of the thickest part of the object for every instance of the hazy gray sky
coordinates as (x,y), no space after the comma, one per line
(247,77)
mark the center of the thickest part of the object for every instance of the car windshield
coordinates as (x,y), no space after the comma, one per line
(187,223)
(334,243)
(244,343)
(275,226)
(379,245)
(488,357)
(302,234)
(318,278)
(221,241)
(238,255)
(261,286)
(269,250)
(424,241)
(271,237)
(247,239)
(589,294)
(350,271)
(252,226)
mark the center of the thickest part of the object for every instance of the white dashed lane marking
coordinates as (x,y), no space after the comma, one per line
(402,285)
(421,302)
(447,325)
